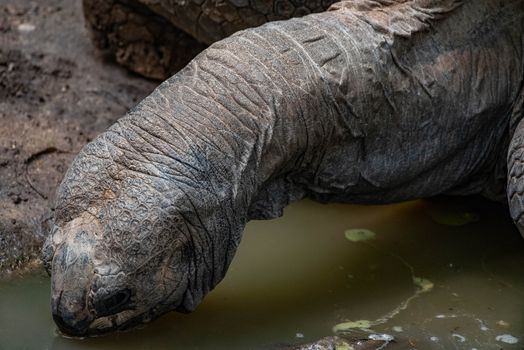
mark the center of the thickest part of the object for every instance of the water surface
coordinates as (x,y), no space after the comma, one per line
(295,278)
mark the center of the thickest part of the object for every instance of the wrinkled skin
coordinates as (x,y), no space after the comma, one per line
(370,102)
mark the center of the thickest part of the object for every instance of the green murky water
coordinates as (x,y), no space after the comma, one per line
(446,274)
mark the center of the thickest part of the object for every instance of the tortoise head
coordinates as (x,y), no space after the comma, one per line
(128,246)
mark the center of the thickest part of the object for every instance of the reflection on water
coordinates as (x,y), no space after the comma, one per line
(295,278)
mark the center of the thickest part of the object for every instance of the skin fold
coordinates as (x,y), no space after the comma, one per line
(368,102)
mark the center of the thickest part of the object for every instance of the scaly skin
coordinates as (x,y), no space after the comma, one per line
(370,102)
(515,188)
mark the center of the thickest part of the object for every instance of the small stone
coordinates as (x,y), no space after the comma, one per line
(507,338)
(16,199)
(26,27)
(460,338)
(503,324)
(382,336)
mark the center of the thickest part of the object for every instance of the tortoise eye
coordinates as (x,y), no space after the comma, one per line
(114,303)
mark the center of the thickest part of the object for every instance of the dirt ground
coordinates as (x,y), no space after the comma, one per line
(56,93)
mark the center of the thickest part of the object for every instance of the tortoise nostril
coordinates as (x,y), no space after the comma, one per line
(113,303)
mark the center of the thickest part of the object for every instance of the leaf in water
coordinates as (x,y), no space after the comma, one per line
(345,326)
(423,284)
(452,217)
(343,346)
(359,234)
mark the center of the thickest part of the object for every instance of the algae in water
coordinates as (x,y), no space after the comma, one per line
(359,234)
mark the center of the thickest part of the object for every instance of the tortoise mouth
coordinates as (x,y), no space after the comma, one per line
(99,326)
(123,320)
(113,304)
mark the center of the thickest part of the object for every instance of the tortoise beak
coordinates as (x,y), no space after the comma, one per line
(71,280)
(67,319)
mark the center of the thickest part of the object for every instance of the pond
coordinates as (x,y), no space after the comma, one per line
(441,274)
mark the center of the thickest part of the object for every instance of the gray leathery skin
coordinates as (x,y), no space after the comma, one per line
(370,102)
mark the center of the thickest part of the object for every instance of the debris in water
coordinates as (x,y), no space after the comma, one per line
(346,326)
(435,339)
(299,335)
(507,338)
(459,337)
(398,329)
(503,324)
(446,316)
(423,284)
(382,336)
(343,346)
(359,234)
(341,343)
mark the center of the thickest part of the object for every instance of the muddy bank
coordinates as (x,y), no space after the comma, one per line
(56,93)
